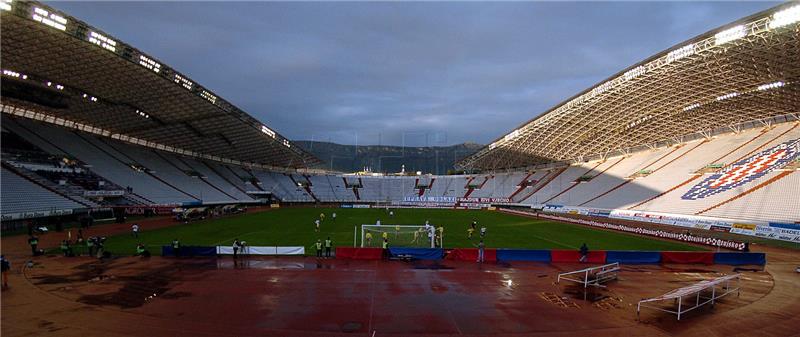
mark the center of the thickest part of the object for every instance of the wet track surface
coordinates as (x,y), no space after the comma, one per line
(307,296)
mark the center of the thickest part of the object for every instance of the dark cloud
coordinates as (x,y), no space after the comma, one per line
(402,73)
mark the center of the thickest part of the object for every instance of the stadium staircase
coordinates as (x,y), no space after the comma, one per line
(306,186)
(218,173)
(202,178)
(254,181)
(471,189)
(763,184)
(110,155)
(521,186)
(620,185)
(354,188)
(549,177)
(421,189)
(575,183)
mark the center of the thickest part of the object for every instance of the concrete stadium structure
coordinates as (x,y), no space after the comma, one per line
(706,128)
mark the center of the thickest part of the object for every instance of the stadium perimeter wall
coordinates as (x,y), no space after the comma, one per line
(555,256)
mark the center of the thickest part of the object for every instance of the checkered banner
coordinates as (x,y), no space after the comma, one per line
(746,170)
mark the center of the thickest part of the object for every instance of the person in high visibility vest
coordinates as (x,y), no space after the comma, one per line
(328,244)
(385,246)
(176,247)
(65,247)
(34,242)
(142,251)
(318,245)
(90,246)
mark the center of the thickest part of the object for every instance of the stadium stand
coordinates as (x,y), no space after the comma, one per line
(22,196)
(191,146)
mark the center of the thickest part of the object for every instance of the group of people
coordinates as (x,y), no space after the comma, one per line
(319,245)
(321,218)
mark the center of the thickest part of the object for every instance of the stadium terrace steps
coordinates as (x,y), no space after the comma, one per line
(521,186)
(627,180)
(549,177)
(573,182)
(160,170)
(227,179)
(203,176)
(662,177)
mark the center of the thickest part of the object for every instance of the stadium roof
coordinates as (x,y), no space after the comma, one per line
(61,70)
(745,71)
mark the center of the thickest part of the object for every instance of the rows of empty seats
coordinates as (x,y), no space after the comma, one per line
(21,196)
(652,180)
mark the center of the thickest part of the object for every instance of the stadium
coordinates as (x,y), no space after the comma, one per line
(662,201)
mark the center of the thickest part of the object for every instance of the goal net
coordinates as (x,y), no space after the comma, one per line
(400,236)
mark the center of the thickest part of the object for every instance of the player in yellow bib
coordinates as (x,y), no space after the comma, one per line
(368,236)
(385,235)
(396,231)
(470,231)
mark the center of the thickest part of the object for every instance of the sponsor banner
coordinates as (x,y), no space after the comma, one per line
(778,233)
(746,226)
(139,210)
(785,225)
(720,229)
(483,200)
(670,219)
(102,193)
(355,206)
(38,214)
(430,199)
(743,231)
(653,232)
(474,205)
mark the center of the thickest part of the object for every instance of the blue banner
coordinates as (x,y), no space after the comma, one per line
(418,253)
(523,255)
(633,257)
(736,259)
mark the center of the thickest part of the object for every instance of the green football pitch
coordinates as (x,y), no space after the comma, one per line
(295,227)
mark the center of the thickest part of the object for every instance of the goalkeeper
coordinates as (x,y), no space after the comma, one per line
(368,236)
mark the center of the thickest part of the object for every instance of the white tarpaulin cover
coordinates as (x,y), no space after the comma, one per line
(256,250)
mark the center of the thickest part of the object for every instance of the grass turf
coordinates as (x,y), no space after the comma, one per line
(295,227)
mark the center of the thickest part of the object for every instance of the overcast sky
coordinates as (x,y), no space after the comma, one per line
(418,74)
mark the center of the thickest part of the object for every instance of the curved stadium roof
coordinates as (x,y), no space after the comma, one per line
(60,70)
(746,71)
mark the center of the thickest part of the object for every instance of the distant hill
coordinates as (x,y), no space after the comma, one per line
(388,159)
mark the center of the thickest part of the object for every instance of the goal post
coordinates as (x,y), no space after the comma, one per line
(400,236)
